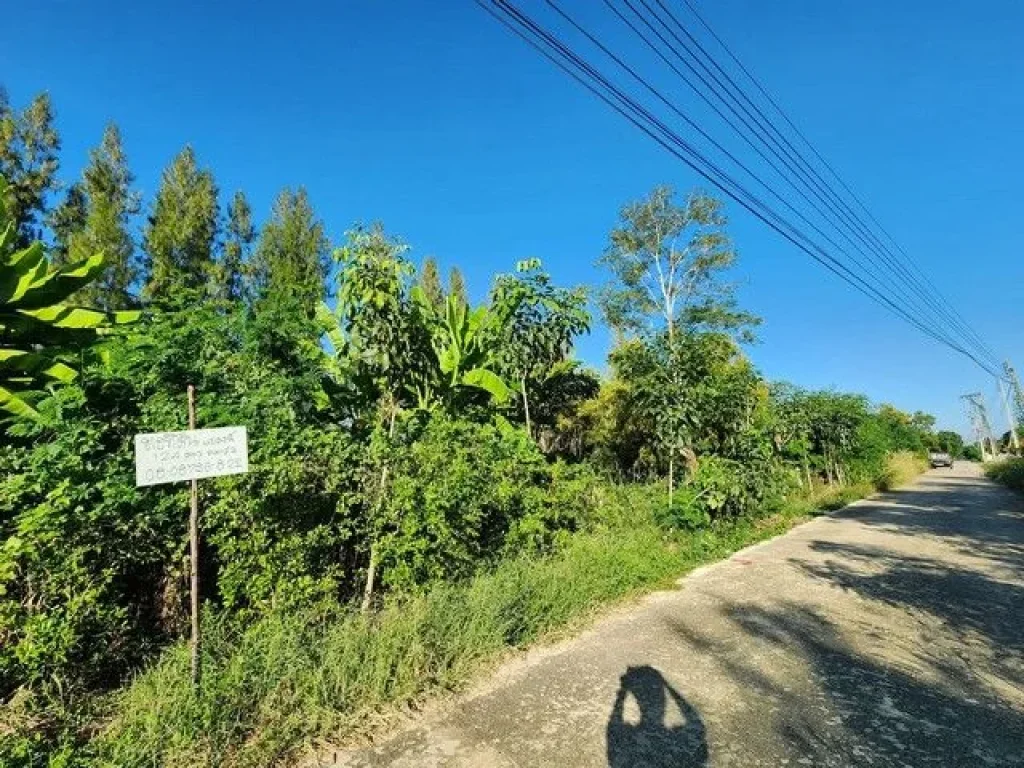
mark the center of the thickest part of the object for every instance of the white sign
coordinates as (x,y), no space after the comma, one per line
(170,457)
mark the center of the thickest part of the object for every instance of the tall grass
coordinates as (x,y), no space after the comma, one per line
(1009,472)
(900,468)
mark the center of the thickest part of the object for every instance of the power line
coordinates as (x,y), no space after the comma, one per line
(636,114)
(584,73)
(851,227)
(879,279)
(815,189)
(929,285)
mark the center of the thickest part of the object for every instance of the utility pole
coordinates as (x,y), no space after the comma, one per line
(1016,391)
(1015,397)
(978,415)
(1009,416)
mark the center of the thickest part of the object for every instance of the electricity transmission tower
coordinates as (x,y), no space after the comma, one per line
(978,415)
(1013,401)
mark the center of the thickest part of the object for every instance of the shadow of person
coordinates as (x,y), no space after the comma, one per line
(652,725)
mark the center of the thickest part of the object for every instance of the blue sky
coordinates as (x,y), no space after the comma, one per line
(431,118)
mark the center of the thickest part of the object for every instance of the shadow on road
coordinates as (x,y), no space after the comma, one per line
(966,600)
(866,709)
(976,516)
(892,699)
(648,735)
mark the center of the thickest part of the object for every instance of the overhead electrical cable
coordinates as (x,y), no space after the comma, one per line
(566,59)
(592,79)
(900,261)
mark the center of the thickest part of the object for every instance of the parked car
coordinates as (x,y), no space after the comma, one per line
(940,459)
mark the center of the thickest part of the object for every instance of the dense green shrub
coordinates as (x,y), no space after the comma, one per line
(92,568)
(293,675)
(458,489)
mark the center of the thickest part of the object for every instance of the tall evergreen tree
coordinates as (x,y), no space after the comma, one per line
(29,146)
(66,221)
(230,280)
(180,235)
(291,260)
(457,286)
(430,281)
(110,203)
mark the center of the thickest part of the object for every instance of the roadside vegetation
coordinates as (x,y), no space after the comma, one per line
(433,479)
(1009,472)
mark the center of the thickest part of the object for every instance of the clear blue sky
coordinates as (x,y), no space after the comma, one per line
(431,118)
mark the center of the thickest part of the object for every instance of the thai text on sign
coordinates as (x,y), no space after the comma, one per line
(171,457)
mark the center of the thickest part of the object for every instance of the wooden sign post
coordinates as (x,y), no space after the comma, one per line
(172,457)
(193,547)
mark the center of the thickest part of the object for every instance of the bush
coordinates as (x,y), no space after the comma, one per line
(92,569)
(1009,472)
(458,489)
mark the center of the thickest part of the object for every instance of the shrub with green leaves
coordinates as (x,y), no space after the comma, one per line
(458,488)
(92,569)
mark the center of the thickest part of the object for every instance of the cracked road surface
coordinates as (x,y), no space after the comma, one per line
(890,634)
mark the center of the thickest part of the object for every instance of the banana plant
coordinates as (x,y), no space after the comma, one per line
(38,330)
(463,345)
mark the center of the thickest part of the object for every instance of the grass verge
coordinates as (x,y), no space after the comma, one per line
(900,468)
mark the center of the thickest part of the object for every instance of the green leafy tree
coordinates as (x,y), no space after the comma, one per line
(950,442)
(667,262)
(458,368)
(109,205)
(374,343)
(179,237)
(457,286)
(292,258)
(791,428)
(539,323)
(694,394)
(230,283)
(430,282)
(29,147)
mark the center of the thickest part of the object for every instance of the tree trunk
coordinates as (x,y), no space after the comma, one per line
(371,572)
(526,406)
(371,568)
(807,472)
(671,478)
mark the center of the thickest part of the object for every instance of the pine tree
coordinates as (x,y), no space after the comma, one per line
(109,204)
(230,280)
(29,146)
(66,221)
(181,231)
(457,286)
(290,263)
(430,282)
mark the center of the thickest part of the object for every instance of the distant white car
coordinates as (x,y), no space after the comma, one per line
(940,459)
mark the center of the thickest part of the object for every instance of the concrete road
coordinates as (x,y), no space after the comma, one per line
(891,634)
